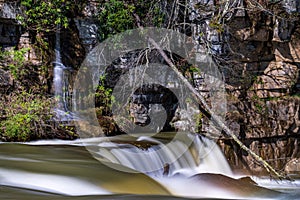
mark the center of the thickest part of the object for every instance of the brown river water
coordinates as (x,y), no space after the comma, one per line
(128,168)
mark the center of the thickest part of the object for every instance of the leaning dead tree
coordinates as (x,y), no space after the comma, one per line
(207,111)
(215,17)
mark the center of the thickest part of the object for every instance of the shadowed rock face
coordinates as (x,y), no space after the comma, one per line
(243,187)
(264,60)
(262,81)
(6,82)
(269,128)
(149,102)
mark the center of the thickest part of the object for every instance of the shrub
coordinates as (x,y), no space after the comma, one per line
(117,16)
(25,115)
(15,60)
(44,15)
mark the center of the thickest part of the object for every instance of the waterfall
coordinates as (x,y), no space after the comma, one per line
(60,169)
(61,75)
(201,156)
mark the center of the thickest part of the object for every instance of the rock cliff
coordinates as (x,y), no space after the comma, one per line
(257,49)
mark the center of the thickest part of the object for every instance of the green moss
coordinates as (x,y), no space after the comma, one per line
(260,104)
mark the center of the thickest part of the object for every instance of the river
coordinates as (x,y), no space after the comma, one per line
(56,169)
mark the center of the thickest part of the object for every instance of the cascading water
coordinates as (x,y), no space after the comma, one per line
(61,75)
(201,156)
(56,169)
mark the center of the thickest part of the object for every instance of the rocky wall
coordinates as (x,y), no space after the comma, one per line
(259,57)
(270,128)
(262,77)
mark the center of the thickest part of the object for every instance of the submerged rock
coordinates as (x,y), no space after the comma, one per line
(244,187)
(293,166)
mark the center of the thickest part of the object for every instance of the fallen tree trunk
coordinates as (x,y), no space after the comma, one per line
(207,111)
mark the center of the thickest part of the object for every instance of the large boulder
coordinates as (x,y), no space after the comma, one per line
(293,166)
(238,188)
(6,81)
(278,80)
(9,9)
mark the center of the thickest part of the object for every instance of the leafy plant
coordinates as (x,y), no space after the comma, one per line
(25,114)
(44,15)
(18,59)
(216,25)
(198,121)
(15,60)
(104,98)
(117,16)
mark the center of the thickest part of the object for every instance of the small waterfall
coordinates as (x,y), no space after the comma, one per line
(61,76)
(56,169)
(201,156)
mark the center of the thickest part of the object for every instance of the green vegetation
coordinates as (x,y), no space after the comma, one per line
(198,121)
(103,98)
(25,114)
(117,16)
(216,25)
(16,60)
(260,104)
(44,15)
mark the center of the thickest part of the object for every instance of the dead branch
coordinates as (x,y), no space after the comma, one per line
(206,110)
(210,114)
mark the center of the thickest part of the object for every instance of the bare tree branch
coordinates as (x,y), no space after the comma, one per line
(208,112)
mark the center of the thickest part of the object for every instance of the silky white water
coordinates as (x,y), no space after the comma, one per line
(50,183)
(56,167)
(204,156)
(61,75)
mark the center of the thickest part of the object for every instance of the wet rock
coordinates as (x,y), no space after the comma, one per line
(32,55)
(108,126)
(153,106)
(9,9)
(72,47)
(6,81)
(88,32)
(293,166)
(144,145)
(243,187)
